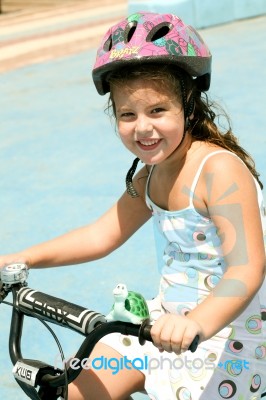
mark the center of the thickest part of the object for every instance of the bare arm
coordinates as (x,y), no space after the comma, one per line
(233,207)
(95,240)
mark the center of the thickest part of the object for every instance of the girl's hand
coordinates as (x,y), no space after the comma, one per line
(174,333)
(13,258)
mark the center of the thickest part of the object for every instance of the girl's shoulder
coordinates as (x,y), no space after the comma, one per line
(221,171)
(209,156)
(220,160)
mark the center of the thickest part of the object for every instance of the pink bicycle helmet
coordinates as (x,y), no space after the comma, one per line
(151,37)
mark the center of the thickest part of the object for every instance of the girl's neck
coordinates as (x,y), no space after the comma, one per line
(178,158)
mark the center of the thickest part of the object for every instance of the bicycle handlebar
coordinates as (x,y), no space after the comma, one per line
(91,324)
(58,311)
(75,317)
(97,327)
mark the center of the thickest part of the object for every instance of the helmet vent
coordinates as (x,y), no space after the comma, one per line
(129,31)
(108,44)
(159,31)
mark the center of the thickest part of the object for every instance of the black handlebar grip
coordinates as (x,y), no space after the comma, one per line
(58,311)
(194,345)
(145,334)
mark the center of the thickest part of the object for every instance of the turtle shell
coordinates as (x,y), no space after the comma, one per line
(136,305)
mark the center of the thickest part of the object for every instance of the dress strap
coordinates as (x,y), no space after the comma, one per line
(147,192)
(196,177)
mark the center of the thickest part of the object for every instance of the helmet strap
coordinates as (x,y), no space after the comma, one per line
(188,104)
(129,184)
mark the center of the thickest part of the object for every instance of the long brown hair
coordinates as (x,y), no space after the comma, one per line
(207,115)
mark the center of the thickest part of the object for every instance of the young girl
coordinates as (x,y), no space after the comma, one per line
(204,195)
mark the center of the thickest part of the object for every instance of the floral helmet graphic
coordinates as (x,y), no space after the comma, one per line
(147,37)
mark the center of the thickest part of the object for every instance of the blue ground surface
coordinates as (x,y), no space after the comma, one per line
(62,165)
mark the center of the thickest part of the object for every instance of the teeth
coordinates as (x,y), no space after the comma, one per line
(148,142)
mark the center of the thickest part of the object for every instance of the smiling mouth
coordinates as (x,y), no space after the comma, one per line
(148,144)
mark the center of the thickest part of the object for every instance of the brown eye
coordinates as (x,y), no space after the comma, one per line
(126,115)
(157,110)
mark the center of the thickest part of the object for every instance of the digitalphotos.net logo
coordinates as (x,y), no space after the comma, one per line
(147,363)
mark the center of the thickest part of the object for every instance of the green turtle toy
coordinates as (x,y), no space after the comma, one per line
(128,306)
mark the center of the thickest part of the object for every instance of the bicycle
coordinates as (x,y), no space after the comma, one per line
(39,380)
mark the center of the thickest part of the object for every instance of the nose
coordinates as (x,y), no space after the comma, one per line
(143,126)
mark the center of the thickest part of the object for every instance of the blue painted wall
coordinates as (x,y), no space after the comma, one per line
(203,13)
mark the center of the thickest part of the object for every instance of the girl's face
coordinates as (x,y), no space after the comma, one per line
(150,119)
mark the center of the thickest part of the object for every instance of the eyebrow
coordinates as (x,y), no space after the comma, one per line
(153,105)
